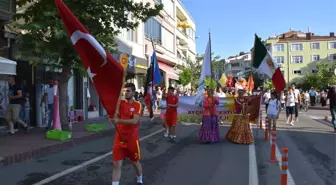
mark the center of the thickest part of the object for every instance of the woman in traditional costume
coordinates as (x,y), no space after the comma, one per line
(240,130)
(209,132)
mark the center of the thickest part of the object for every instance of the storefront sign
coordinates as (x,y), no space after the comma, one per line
(141,67)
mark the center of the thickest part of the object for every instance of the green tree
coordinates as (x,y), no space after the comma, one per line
(210,83)
(46,41)
(195,67)
(191,72)
(186,76)
(320,80)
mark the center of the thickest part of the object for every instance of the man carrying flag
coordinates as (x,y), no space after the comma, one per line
(101,68)
(153,78)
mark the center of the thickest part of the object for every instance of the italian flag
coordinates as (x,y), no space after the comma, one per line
(263,62)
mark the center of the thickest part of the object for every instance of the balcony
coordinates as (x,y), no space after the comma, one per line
(7,9)
(180,15)
(181,37)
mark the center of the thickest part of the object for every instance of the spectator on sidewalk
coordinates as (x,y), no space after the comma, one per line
(323,95)
(48,99)
(266,97)
(332,104)
(14,106)
(312,95)
(290,106)
(297,99)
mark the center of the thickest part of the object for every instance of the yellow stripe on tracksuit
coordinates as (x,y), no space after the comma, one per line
(138,148)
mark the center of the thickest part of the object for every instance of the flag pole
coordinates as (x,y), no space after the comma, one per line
(116,112)
(152,68)
(211,77)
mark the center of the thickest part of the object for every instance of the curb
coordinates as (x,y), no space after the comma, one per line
(50,149)
(318,108)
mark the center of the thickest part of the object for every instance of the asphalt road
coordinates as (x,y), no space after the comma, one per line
(311,145)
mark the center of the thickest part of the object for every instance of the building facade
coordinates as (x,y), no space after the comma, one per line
(238,65)
(298,52)
(172,33)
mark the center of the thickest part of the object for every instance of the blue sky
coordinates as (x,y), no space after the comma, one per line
(233,23)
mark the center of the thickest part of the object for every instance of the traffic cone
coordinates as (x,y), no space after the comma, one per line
(260,120)
(284,166)
(273,146)
(266,131)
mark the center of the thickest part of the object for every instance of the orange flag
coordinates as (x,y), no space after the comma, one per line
(250,83)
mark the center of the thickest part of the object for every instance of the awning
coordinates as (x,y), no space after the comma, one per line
(170,72)
(7,67)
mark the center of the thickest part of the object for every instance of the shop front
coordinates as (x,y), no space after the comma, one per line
(170,74)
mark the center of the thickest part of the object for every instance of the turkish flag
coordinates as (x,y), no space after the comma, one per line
(105,72)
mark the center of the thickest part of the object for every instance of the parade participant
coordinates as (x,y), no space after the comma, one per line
(209,132)
(126,145)
(171,113)
(163,107)
(240,131)
(273,111)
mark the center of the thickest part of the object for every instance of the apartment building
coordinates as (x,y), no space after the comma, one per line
(173,33)
(298,52)
(7,10)
(238,65)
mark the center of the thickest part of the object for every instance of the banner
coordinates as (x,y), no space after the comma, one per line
(189,112)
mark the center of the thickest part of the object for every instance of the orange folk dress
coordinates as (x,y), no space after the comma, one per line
(240,130)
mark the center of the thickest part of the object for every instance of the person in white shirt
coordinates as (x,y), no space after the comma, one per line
(220,93)
(290,106)
(282,100)
(163,108)
(48,99)
(297,98)
(273,111)
(266,97)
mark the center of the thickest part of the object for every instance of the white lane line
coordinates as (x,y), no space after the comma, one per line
(70,170)
(290,180)
(253,168)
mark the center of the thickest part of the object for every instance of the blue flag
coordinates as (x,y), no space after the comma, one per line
(156,70)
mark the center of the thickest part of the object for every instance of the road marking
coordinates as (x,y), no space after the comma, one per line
(70,170)
(290,180)
(253,168)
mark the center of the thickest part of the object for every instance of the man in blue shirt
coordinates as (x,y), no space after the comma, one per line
(312,95)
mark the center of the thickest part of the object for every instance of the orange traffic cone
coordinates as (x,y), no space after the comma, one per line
(284,166)
(273,146)
(266,131)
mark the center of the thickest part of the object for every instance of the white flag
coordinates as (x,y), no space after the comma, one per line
(206,72)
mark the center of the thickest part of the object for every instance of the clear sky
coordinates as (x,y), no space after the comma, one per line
(233,23)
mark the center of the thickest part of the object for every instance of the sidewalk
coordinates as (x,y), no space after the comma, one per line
(23,147)
(318,107)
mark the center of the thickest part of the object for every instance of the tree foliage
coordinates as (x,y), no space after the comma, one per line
(46,41)
(320,80)
(191,71)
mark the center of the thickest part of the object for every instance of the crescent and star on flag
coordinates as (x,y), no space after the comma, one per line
(77,35)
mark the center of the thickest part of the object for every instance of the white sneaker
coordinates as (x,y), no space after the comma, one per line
(165,134)
(292,123)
